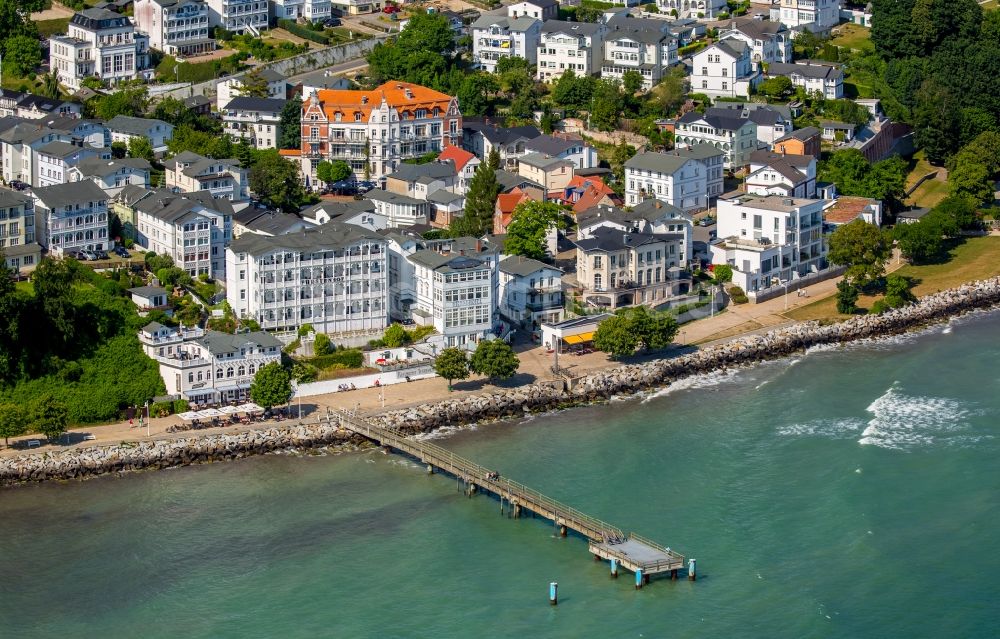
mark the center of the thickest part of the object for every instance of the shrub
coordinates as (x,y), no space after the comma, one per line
(737,295)
(305,329)
(322,345)
(303,32)
(161,409)
(879,307)
(180,405)
(346,357)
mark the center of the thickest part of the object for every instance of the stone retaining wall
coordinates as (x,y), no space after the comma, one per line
(598,386)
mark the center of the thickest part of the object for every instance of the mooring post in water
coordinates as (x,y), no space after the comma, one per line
(614,568)
(430,469)
(562,530)
(517,511)
(554,593)
(691,571)
(638,578)
(673,575)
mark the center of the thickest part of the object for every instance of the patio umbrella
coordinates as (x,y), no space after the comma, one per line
(250,407)
(209,412)
(229,410)
(188,416)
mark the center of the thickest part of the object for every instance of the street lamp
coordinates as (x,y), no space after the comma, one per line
(775,280)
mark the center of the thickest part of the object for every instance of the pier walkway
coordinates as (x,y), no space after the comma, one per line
(631,552)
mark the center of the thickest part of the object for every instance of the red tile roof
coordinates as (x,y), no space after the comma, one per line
(847,209)
(458,155)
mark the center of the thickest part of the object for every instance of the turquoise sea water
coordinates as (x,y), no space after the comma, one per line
(845,493)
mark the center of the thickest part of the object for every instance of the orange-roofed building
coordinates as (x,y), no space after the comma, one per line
(504,211)
(586,192)
(847,208)
(399,120)
(465,165)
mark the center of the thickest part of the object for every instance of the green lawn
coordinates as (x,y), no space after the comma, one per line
(48,28)
(25,286)
(976,258)
(930,192)
(196,72)
(853,36)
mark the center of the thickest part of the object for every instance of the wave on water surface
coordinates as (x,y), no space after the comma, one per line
(695,382)
(901,422)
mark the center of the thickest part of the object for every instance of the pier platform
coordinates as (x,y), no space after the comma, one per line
(606,541)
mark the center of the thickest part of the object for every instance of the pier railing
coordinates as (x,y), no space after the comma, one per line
(515,492)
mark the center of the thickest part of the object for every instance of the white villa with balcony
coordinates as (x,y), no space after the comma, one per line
(256,119)
(239,16)
(332,277)
(645,46)
(698,9)
(530,292)
(496,37)
(814,15)
(569,46)
(188,172)
(175,27)
(99,43)
(71,216)
(769,241)
(208,367)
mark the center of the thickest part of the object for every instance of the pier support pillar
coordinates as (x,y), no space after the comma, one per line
(638,578)
(562,530)
(673,575)
(517,511)
(430,469)
(692,575)
(614,569)
(472,489)
(554,593)
(597,557)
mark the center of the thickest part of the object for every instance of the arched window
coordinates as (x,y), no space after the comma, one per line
(241,371)
(229,372)
(251,369)
(218,373)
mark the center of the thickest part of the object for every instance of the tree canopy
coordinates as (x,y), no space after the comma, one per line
(854,175)
(528,227)
(276,181)
(451,364)
(271,386)
(480,204)
(621,334)
(863,248)
(290,128)
(495,359)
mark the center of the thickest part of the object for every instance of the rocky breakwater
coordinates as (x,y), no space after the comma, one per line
(83,462)
(623,380)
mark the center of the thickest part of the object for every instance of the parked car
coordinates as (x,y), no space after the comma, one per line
(76,255)
(390,9)
(88,255)
(100,255)
(407,322)
(121,251)
(332,22)
(18,185)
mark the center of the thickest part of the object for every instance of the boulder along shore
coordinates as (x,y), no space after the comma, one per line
(84,462)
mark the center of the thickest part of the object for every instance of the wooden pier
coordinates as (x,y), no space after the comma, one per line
(631,552)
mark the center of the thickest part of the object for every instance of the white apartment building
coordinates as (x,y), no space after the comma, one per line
(226,90)
(17,230)
(71,216)
(773,121)
(538,9)
(256,119)
(769,240)
(380,128)
(769,42)
(724,70)
(632,44)
(698,9)
(239,16)
(112,175)
(188,172)
(175,27)
(192,228)
(781,174)
(822,78)
(208,367)
(333,277)
(99,43)
(398,210)
(650,216)
(312,10)
(18,150)
(575,46)
(530,292)
(455,291)
(671,177)
(496,37)
(733,134)
(814,15)
(84,132)
(124,127)
(56,159)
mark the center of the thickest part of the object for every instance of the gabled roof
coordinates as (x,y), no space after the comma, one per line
(39,103)
(414,172)
(326,237)
(60,149)
(716,120)
(134,126)
(100,167)
(510,180)
(522,23)
(173,207)
(608,239)
(336,209)
(551,145)
(800,134)
(10,198)
(441,196)
(221,343)
(524,266)
(501,135)
(459,156)
(402,96)
(733,48)
(249,103)
(543,161)
(69,193)
(756,29)
(659,162)
(445,262)
(147,291)
(380,195)
(541,4)
(507,202)
(571,28)
(814,70)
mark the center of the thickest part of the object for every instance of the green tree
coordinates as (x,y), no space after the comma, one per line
(632,82)
(252,84)
(722,273)
(960,210)
(897,291)
(50,85)
(847,297)
(480,203)
(271,386)
(528,227)
(776,87)
(324,171)
(971,178)
(863,248)
(290,127)
(668,96)
(607,105)
(331,172)
(140,147)
(129,100)
(621,154)
(395,336)
(22,55)
(571,91)
(276,181)
(495,359)
(476,94)
(493,159)
(614,336)
(12,422)
(53,284)
(322,345)
(49,416)
(921,242)
(452,364)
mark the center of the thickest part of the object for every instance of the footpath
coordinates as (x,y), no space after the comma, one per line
(536,366)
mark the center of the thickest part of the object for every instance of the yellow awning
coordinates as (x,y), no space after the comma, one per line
(579,339)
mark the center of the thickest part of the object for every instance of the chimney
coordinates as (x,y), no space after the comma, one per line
(461,252)
(479,246)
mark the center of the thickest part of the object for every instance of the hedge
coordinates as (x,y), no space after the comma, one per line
(691,48)
(302,31)
(347,357)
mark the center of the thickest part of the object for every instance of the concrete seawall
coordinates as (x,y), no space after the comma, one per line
(541,396)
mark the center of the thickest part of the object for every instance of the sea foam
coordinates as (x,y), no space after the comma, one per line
(901,422)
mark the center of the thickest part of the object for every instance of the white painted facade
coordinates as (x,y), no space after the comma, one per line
(71,217)
(698,9)
(175,27)
(498,37)
(239,16)
(679,181)
(724,70)
(815,15)
(98,43)
(563,46)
